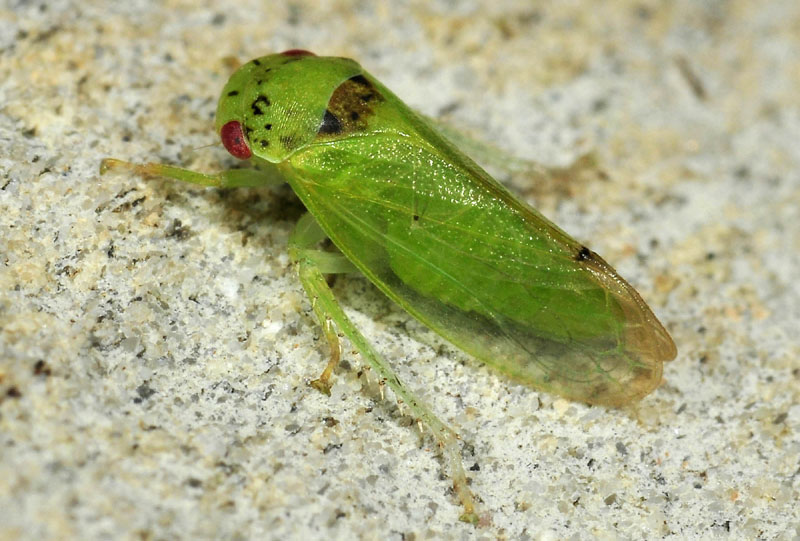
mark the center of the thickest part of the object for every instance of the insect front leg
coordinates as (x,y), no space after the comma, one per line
(232,178)
(311,264)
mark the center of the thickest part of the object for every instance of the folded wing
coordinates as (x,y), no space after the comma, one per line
(450,245)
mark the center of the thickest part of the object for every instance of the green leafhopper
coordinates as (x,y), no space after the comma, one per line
(435,233)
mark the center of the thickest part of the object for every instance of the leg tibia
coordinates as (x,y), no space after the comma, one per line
(305,236)
(329,312)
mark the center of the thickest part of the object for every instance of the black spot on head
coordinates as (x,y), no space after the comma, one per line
(330,124)
(366,97)
(354,115)
(259,104)
(264,143)
(267,126)
(583,254)
(233,93)
(256,62)
(415,217)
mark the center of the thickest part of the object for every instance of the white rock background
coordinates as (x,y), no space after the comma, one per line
(155,344)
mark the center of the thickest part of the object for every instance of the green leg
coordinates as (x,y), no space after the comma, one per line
(311,264)
(305,236)
(232,178)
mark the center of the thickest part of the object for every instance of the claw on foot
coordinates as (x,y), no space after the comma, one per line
(111,163)
(322,385)
(470,517)
(146,169)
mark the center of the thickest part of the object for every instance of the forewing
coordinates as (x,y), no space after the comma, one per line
(452,247)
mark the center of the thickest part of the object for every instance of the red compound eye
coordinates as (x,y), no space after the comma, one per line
(233,139)
(297,52)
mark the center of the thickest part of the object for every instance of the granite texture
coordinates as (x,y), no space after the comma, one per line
(155,343)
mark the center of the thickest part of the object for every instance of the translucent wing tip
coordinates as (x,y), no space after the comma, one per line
(647,348)
(644,345)
(627,376)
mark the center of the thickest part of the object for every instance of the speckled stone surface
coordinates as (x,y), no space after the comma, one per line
(155,343)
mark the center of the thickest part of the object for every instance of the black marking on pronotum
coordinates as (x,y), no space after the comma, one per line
(233,93)
(267,126)
(330,124)
(258,105)
(583,254)
(264,143)
(360,79)
(350,107)
(256,62)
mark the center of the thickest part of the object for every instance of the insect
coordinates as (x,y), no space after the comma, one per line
(435,233)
